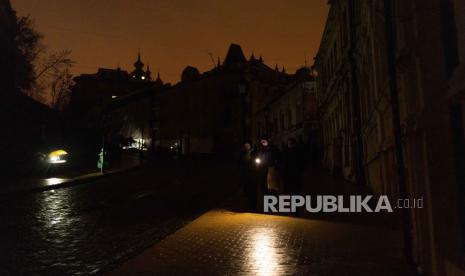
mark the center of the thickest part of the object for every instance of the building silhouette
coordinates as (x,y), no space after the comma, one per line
(93,95)
(139,73)
(214,111)
(292,113)
(92,91)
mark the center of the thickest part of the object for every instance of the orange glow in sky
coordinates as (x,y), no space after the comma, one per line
(172,34)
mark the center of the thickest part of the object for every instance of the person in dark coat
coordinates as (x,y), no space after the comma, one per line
(247,170)
(292,167)
(267,161)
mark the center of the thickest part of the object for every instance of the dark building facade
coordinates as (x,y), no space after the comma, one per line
(391,110)
(292,113)
(133,125)
(92,96)
(336,100)
(214,111)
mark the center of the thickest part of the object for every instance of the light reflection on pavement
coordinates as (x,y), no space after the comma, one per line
(264,257)
(89,228)
(230,243)
(54,181)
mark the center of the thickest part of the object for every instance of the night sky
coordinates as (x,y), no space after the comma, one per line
(174,33)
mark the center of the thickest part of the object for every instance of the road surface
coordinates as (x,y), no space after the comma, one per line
(93,227)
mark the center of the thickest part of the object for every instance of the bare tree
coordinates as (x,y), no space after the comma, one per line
(36,72)
(60,92)
(53,78)
(52,64)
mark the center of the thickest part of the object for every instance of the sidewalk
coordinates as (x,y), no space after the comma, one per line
(228,242)
(319,182)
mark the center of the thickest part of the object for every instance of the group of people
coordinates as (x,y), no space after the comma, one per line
(267,170)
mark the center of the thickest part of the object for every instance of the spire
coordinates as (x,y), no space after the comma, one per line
(158,80)
(252,57)
(218,64)
(260,59)
(138,72)
(283,70)
(235,55)
(138,64)
(148,73)
(276,68)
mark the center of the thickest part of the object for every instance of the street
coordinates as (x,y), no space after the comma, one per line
(118,224)
(90,228)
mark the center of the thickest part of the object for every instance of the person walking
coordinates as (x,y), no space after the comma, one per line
(247,170)
(267,161)
(292,167)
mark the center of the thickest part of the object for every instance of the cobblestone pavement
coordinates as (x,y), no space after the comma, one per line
(90,228)
(230,243)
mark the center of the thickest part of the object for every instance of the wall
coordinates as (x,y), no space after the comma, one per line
(335,94)
(429,76)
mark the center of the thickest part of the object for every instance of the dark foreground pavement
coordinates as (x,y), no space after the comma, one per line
(231,241)
(90,228)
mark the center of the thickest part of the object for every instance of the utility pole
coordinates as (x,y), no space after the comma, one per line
(391,37)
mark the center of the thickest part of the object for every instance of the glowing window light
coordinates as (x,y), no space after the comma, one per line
(138,143)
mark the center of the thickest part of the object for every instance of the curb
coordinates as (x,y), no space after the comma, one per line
(70,182)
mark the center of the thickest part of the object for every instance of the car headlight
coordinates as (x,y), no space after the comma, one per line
(57,157)
(258,161)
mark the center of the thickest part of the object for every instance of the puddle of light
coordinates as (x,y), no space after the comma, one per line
(54,181)
(264,259)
